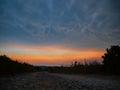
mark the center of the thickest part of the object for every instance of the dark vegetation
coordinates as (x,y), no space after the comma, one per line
(110,65)
(111,60)
(11,67)
(78,68)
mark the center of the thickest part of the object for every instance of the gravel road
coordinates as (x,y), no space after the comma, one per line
(51,81)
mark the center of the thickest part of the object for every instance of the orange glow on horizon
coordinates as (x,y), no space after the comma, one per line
(51,54)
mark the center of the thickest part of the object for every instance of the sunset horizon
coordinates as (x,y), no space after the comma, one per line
(52,55)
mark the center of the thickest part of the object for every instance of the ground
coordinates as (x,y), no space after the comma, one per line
(52,81)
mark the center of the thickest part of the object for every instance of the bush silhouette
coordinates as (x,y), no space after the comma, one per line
(111,59)
(9,66)
(77,68)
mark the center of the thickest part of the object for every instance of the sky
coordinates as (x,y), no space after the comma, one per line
(54,32)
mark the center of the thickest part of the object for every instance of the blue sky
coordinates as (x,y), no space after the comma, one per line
(73,24)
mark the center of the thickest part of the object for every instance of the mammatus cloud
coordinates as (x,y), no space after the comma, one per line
(73,23)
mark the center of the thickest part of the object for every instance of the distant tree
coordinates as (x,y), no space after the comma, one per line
(111,59)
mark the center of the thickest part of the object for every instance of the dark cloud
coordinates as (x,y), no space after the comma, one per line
(73,23)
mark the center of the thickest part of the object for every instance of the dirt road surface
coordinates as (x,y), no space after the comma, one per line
(51,81)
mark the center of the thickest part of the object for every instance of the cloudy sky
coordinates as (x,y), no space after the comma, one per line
(53,32)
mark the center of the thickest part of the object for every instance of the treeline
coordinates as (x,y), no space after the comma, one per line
(9,66)
(78,68)
(109,65)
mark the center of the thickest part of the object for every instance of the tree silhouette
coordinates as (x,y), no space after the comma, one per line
(111,59)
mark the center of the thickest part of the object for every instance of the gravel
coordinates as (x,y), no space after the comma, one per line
(51,81)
